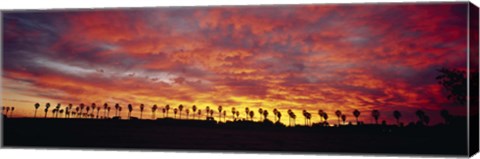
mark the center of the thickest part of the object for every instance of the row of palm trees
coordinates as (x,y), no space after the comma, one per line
(196,113)
(6,110)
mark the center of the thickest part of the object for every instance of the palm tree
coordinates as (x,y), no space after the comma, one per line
(426,119)
(304,113)
(81,108)
(154,111)
(344,117)
(397,116)
(320,113)
(58,108)
(141,110)
(117,107)
(70,106)
(445,115)
(233,113)
(199,113)
(163,112)
(290,115)
(11,111)
(325,117)
(77,111)
(421,116)
(130,109)
(194,109)
(46,109)
(88,109)
(105,107)
(375,115)
(251,114)
(356,113)
(237,114)
(98,110)
(37,105)
(175,111)
(265,115)
(94,106)
(279,116)
(120,112)
(219,112)
(180,108)
(187,111)
(260,111)
(108,112)
(167,107)
(246,112)
(207,111)
(61,112)
(224,115)
(211,113)
(275,111)
(338,113)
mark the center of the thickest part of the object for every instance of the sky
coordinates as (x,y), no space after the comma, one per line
(299,57)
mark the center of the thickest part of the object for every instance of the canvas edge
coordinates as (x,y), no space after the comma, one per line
(472,63)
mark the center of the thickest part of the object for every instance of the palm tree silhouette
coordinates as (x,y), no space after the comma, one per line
(260,111)
(141,110)
(175,111)
(265,114)
(207,111)
(108,112)
(94,106)
(117,107)
(421,116)
(426,119)
(37,105)
(279,116)
(356,113)
(61,112)
(344,117)
(397,116)
(246,113)
(58,108)
(233,113)
(194,109)
(11,111)
(445,115)
(275,111)
(199,113)
(77,111)
(304,113)
(105,107)
(167,108)
(88,109)
(211,113)
(120,112)
(54,111)
(163,112)
(325,117)
(237,113)
(290,114)
(338,113)
(251,114)
(130,109)
(224,115)
(375,115)
(81,108)
(320,113)
(219,112)
(46,109)
(187,111)
(98,111)
(180,108)
(154,111)
(70,110)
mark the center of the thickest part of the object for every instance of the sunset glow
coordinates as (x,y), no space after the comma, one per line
(303,57)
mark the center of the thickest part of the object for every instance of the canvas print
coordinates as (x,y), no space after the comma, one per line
(374,78)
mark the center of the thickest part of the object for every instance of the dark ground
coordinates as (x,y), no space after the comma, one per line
(238,136)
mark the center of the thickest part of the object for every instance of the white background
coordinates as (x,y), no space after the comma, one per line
(128,154)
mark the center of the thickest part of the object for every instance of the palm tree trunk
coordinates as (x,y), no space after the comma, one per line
(35,114)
